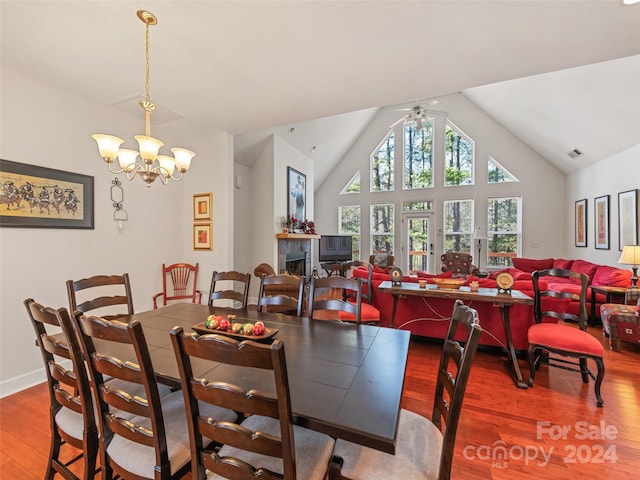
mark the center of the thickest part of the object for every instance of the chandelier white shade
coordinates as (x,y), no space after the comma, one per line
(152,164)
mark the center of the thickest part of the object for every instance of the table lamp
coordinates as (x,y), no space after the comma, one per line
(478,236)
(631,256)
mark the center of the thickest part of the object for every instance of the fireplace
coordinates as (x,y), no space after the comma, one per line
(296,264)
(294,253)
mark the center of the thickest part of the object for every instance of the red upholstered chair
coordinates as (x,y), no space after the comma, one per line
(179,284)
(563,341)
(369,313)
(327,297)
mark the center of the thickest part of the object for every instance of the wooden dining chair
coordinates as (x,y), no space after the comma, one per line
(424,448)
(230,285)
(282,294)
(71,414)
(139,437)
(369,313)
(328,297)
(179,282)
(100,294)
(266,444)
(560,345)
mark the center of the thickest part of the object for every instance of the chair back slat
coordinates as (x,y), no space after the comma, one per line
(220,288)
(283,291)
(269,358)
(543,307)
(92,295)
(330,294)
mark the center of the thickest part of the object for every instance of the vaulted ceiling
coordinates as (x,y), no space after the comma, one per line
(559,74)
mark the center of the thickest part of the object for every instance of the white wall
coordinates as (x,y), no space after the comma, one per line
(541,185)
(47,127)
(619,173)
(267,195)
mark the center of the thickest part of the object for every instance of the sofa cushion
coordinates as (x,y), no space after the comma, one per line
(611,276)
(531,264)
(582,266)
(562,263)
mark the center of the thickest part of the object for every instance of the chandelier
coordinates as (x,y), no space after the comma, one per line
(153,165)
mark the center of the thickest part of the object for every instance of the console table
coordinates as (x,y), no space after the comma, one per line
(503,301)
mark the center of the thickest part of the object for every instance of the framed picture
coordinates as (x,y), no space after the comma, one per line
(581,223)
(296,195)
(40,197)
(627,218)
(203,236)
(601,209)
(202,206)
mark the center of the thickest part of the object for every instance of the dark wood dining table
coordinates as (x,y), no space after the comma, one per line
(345,380)
(504,301)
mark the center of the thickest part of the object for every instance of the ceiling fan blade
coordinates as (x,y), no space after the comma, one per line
(436,113)
(402,119)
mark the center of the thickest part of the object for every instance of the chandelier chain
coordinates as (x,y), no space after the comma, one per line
(147,60)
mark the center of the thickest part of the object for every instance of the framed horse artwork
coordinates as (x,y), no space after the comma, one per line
(38,197)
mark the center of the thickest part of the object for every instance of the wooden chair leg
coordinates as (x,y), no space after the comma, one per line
(600,363)
(584,371)
(335,468)
(532,364)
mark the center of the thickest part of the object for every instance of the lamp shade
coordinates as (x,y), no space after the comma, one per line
(630,255)
(479,234)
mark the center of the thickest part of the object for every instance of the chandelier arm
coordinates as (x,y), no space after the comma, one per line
(115,171)
(164,174)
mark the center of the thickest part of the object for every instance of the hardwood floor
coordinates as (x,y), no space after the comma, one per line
(598,442)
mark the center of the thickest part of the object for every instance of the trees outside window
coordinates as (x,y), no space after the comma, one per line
(353,186)
(458,156)
(382,216)
(349,224)
(418,156)
(458,226)
(504,230)
(382,165)
(498,174)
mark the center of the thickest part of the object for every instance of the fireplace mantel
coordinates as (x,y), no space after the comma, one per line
(299,236)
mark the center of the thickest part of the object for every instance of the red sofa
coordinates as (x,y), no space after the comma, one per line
(599,275)
(430,317)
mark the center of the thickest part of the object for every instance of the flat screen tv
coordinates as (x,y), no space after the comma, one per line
(335,248)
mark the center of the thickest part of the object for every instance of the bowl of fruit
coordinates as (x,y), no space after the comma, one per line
(450,283)
(232,326)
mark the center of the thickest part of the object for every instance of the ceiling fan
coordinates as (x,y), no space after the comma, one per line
(418,114)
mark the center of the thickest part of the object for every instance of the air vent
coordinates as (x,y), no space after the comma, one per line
(575,153)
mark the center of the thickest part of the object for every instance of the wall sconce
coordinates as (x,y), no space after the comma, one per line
(120,215)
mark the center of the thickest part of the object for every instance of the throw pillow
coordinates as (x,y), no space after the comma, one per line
(612,276)
(582,266)
(563,264)
(531,264)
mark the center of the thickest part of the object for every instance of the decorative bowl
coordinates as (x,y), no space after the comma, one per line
(451,283)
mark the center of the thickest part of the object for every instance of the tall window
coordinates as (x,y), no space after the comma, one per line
(349,224)
(458,225)
(382,227)
(504,230)
(458,156)
(382,165)
(418,156)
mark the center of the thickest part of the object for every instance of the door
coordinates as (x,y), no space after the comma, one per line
(417,243)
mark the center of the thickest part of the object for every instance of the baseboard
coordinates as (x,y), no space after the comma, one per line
(22,382)
(27,380)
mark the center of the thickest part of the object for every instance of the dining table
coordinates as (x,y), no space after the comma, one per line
(345,379)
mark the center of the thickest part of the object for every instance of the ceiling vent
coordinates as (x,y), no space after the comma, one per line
(575,153)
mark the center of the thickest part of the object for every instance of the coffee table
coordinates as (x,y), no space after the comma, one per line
(504,301)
